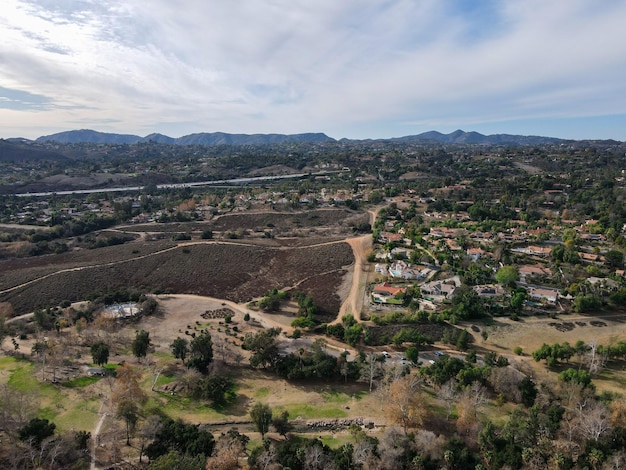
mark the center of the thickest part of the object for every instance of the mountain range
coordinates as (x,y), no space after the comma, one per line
(222,138)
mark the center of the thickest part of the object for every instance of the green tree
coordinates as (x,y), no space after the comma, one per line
(141,344)
(261,415)
(614,259)
(180,348)
(214,388)
(178,461)
(129,412)
(412,354)
(100,353)
(201,352)
(263,347)
(36,431)
(281,423)
(185,439)
(507,275)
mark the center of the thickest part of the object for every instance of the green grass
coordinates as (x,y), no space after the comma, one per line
(180,406)
(262,392)
(313,411)
(81,382)
(10,363)
(336,441)
(82,415)
(340,398)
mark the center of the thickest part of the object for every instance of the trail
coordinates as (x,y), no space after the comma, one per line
(94,437)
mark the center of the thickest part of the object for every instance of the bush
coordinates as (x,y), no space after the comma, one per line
(518,351)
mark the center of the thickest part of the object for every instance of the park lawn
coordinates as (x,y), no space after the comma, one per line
(66,408)
(184,407)
(315,411)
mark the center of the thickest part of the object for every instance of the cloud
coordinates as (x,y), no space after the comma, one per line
(295,66)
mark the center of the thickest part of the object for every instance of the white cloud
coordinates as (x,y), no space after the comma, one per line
(297,66)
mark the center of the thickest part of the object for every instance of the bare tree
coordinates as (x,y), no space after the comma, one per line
(316,459)
(16,409)
(448,393)
(594,419)
(595,360)
(391,448)
(226,453)
(364,454)
(371,370)
(405,402)
(151,426)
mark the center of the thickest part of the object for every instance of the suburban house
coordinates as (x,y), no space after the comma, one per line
(529,270)
(403,270)
(475,253)
(489,290)
(438,290)
(381,268)
(386,293)
(386,237)
(539,294)
(534,250)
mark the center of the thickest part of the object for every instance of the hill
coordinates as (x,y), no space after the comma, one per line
(223,138)
(19,150)
(462,137)
(203,138)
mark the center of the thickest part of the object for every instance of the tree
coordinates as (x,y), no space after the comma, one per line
(36,431)
(614,259)
(412,354)
(179,461)
(180,348)
(129,412)
(214,388)
(41,349)
(263,346)
(100,353)
(141,343)
(151,426)
(405,403)
(281,423)
(187,439)
(507,275)
(261,415)
(227,451)
(201,352)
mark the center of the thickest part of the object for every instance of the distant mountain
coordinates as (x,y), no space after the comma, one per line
(159,139)
(205,138)
(17,150)
(462,137)
(222,138)
(89,136)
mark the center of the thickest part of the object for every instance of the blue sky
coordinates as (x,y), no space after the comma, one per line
(356,69)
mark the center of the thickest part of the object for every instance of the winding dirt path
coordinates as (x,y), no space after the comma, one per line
(94,437)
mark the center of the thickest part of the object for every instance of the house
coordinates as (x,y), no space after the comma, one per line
(453,245)
(475,253)
(489,290)
(438,290)
(386,293)
(389,237)
(401,252)
(381,268)
(403,270)
(534,250)
(539,294)
(528,270)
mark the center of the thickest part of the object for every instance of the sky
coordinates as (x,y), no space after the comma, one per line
(349,68)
